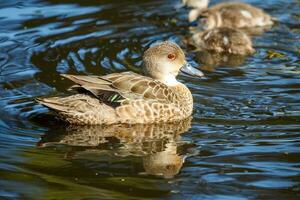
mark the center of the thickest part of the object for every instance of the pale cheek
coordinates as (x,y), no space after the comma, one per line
(225,40)
(179,65)
(246,14)
(164,66)
(193,15)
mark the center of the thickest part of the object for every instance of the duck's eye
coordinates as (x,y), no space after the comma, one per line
(171,56)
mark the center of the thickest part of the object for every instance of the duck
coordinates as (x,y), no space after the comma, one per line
(128,97)
(223,40)
(227,14)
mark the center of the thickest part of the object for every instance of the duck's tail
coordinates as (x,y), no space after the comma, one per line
(80,109)
(52,104)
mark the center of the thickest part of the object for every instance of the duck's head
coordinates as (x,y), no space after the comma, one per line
(165,60)
(199,4)
(197,7)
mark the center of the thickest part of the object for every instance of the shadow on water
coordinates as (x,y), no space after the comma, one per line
(243,141)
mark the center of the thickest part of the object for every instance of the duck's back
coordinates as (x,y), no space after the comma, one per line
(235,15)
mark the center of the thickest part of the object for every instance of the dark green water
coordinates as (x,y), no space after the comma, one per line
(244,140)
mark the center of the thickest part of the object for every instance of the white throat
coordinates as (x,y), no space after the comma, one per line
(170,80)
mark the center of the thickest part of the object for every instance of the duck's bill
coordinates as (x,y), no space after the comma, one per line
(191,71)
(194,23)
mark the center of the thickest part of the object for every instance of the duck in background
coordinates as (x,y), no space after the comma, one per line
(223,40)
(228,28)
(228,14)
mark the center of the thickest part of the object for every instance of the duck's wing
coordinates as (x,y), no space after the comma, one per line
(238,10)
(125,85)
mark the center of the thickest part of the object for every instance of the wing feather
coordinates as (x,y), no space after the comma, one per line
(127,84)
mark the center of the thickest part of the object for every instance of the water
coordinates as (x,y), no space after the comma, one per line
(242,143)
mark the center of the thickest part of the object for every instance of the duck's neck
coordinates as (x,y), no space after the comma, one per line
(170,80)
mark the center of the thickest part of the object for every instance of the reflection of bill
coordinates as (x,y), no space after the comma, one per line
(157,144)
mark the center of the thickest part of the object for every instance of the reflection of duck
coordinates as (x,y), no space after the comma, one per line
(126,133)
(129,97)
(223,40)
(229,14)
(166,163)
(210,60)
(156,143)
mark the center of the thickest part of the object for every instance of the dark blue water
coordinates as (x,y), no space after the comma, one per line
(242,143)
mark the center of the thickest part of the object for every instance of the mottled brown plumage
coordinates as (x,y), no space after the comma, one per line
(223,40)
(129,97)
(228,14)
